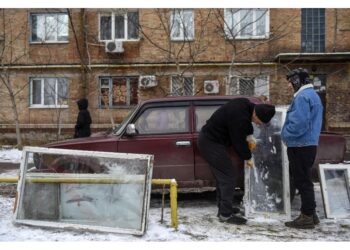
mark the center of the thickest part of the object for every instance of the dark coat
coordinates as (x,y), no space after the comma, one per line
(82,127)
(231,124)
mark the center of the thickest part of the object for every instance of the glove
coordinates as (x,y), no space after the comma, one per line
(249,163)
(251,142)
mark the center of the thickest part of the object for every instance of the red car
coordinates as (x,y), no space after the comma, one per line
(168,128)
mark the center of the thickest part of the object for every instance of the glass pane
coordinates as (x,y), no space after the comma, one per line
(119,27)
(246,22)
(134,91)
(49,91)
(188,86)
(36,92)
(51,27)
(188,24)
(267,191)
(261,22)
(176,86)
(133,25)
(119,91)
(38,28)
(202,114)
(105,191)
(337,192)
(176,25)
(163,121)
(62,27)
(246,86)
(261,86)
(105,28)
(229,31)
(104,92)
(62,91)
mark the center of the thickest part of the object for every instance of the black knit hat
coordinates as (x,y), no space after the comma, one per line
(265,112)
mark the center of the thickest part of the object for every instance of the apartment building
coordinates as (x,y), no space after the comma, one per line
(117,58)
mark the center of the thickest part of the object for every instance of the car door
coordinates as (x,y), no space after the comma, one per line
(164,131)
(202,112)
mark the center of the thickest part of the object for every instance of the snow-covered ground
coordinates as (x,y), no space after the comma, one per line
(197,223)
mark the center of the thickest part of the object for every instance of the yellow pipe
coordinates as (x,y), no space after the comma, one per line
(173,197)
(8,179)
(171,182)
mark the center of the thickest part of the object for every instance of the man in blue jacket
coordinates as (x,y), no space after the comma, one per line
(300,133)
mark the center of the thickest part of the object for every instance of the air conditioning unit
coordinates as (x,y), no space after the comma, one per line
(114,46)
(147,81)
(211,87)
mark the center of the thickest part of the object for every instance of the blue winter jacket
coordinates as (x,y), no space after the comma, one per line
(303,123)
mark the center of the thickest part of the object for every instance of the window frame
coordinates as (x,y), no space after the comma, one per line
(45,14)
(42,93)
(230,36)
(265,78)
(110,92)
(182,25)
(309,28)
(113,15)
(184,77)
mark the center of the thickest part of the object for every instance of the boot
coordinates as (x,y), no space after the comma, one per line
(233,219)
(315,218)
(235,210)
(302,222)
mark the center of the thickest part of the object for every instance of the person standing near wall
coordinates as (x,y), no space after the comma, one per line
(231,125)
(82,127)
(300,133)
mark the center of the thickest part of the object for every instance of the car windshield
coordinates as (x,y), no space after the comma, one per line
(119,128)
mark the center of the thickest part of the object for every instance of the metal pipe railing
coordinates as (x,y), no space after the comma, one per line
(171,182)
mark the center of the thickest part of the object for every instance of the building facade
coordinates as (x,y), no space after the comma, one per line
(117,58)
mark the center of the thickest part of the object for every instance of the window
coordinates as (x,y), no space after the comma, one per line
(121,26)
(163,120)
(182,26)
(50,27)
(246,23)
(202,114)
(313,30)
(118,91)
(258,86)
(182,86)
(48,92)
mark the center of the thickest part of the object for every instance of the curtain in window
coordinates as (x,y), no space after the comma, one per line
(51,27)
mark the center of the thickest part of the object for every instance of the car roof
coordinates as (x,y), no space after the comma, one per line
(201,98)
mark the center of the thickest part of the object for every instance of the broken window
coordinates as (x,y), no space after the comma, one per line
(118,91)
(98,191)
